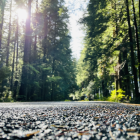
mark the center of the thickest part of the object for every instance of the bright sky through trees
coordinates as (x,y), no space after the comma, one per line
(76,10)
(22,14)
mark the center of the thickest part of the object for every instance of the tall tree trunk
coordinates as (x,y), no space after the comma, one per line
(53,84)
(126,73)
(13,66)
(134,71)
(35,43)
(119,77)
(17,48)
(137,36)
(27,46)
(115,34)
(23,93)
(9,35)
(139,11)
(53,70)
(2,19)
(44,46)
(16,52)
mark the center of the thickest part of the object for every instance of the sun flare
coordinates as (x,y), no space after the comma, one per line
(22,14)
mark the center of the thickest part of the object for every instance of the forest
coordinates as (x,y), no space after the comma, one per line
(36,62)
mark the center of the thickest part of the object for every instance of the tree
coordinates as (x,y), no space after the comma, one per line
(2,4)
(107,54)
(134,71)
(27,52)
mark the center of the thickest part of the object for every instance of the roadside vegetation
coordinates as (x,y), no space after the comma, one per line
(109,65)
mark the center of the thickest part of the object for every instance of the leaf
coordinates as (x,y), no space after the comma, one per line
(32,68)
(60,11)
(111,135)
(83,133)
(37,84)
(131,130)
(31,134)
(136,66)
(133,134)
(54,79)
(49,68)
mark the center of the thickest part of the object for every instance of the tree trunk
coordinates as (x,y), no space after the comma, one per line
(137,36)
(126,74)
(2,19)
(119,77)
(53,60)
(134,71)
(52,94)
(35,43)
(115,34)
(17,48)
(23,93)
(44,46)
(13,66)
(27,46)
(9,35)
(139,10)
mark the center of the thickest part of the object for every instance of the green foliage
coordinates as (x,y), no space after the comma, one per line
(4,73)
(32,68)
(116,96)
(7,96)
(105,48)
(37,84)
(66,100)
(76,95)
(97,96)
(49,68)
(54,79)
(86,99)
(61,10)
(51,73)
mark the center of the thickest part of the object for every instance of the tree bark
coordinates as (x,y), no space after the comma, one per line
(13,66)
(2,19)
(139,10)
(53,69)
(23,93)
(134,71)
(9,35)
(115,34)
(17,48)
(137,36)
(35,43)
(27,46)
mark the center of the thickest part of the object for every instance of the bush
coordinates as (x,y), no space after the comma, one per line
(9,99)
(96,96)
(67,100)
(116,96)
(86,99)
(76,95)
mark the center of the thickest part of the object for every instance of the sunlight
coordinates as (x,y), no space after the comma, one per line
(22,14)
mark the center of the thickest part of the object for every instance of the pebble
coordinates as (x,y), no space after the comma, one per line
(83,122)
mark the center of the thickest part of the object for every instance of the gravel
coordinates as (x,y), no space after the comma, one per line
(69,120)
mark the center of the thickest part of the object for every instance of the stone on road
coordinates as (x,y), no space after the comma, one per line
(69,120)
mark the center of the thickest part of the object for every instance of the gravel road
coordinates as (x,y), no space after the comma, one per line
(69,120)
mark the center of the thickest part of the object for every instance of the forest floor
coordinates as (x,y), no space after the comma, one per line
(69,120)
